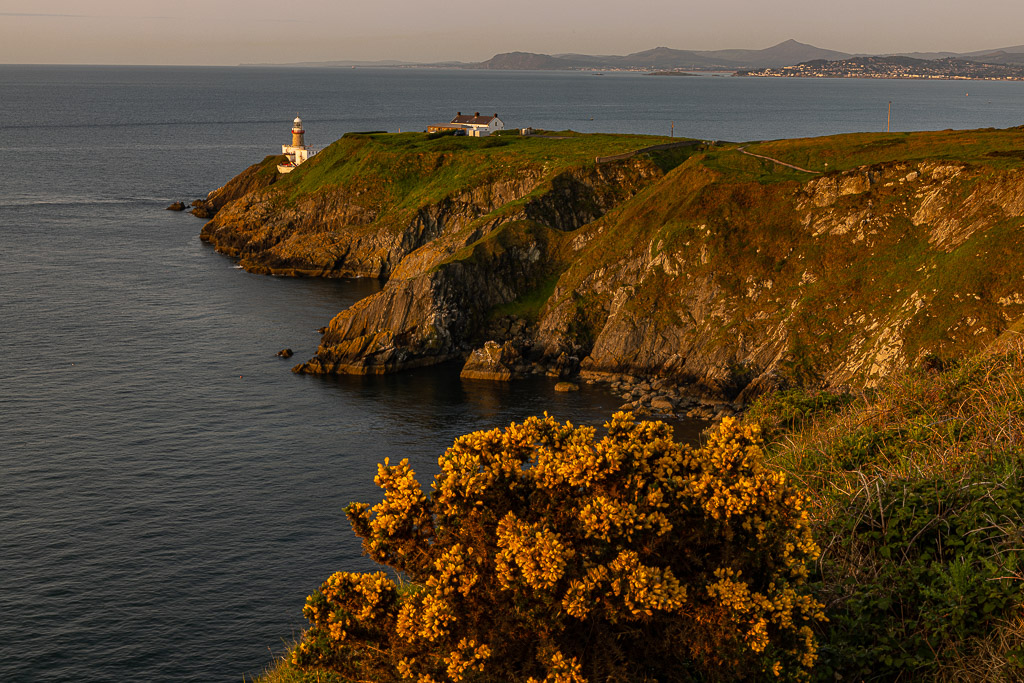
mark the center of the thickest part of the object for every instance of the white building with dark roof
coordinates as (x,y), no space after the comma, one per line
(474,125)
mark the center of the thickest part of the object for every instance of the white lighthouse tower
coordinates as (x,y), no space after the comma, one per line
(297,152)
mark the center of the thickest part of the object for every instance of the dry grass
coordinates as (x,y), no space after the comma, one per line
(921,424)
(282,671)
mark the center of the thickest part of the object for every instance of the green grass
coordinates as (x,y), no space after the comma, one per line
(394,175)
(990,147)
(528,306)
(449,163)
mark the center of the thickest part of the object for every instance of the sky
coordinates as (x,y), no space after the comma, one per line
(228,32)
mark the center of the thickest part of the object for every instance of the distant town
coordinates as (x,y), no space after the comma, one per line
(894,67)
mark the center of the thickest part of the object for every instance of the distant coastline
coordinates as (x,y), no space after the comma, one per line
(789,58)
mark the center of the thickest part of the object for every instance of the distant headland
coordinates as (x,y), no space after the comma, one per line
(789,58)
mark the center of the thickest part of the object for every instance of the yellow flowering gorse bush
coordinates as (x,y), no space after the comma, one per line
(548,554)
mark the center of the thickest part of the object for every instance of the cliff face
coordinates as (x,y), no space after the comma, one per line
(726,273)
(838,280)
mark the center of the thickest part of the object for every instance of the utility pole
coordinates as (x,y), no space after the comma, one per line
(888,120)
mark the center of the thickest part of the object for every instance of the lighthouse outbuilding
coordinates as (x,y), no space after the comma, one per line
(297,152)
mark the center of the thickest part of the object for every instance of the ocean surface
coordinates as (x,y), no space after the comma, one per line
(169,491)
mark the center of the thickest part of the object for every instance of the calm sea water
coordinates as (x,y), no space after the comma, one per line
(169,491)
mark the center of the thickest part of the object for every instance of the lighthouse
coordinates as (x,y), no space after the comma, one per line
(297,152)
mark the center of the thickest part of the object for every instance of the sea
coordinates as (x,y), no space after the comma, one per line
(169,491)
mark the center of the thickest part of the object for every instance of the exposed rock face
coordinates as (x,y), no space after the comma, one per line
(743,303)
(721,283)
(737,334)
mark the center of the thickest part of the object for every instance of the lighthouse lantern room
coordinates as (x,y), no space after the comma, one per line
(297,152)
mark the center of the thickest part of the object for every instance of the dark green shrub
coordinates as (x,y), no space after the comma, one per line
(917,573)
(792,409)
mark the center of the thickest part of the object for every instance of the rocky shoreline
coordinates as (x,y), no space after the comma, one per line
(509,361)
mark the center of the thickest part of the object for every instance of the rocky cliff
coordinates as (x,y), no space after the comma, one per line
(702,266)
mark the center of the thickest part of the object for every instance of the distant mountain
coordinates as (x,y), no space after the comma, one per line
(1004,55)
(1016,49)
(527,61)
(1001,57)
(918,55)
(667,58)
(660,58)
(784,54)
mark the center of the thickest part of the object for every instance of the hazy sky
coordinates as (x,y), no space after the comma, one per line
(232,32)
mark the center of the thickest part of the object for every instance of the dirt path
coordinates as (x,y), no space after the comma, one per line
(780,163)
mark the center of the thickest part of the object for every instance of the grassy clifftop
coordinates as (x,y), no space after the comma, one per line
(408,170)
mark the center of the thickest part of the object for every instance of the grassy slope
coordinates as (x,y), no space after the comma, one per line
(988,147)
